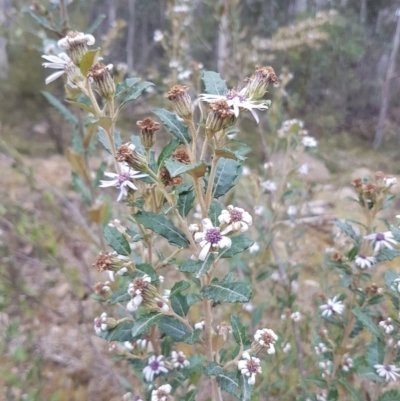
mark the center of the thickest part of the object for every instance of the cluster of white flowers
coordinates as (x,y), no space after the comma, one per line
(387,325)
(178,360)
(326,367)
(320,349)
(347,365)
(232,219)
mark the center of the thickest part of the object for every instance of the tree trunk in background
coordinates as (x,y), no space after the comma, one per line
(131,34)
(300,6)
(112,12)
(223,32)
(3,42)
(363,12)
(386,86)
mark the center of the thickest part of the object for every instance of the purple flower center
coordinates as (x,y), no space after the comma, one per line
(232,94)
(97,322)
(160,304)
(252,366)
(181,359)
(154,365)
(362,256)
(380,237)
(213,236)
(123,177)
(235,215)
(388,368)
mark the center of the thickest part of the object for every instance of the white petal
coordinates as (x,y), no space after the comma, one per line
(207,224)
(54,76)
(90,39)
(225,242)
(255,115)
(204,251)
(198,237)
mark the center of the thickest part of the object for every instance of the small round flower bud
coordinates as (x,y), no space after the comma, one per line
(167,179)
(102,80)
(181,101)
(76,45)
(257,84)
(148,127)
(127,153)
(220,117)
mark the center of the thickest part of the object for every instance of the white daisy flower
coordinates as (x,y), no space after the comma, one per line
(381,240)
(309,141)
(325,366)
(249,366)
(210,239)
(332,306)
(320,349)
(387,325)
(364,262)
(266,339)
(389,372)
(237,101)
(122,180)
(269,186)
(162,393)
(179,360)
(100,323)
(236,218)
(63,63)
(155,367)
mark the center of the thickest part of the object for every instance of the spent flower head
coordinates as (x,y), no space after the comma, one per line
(148,128)
(181,101)
(257,84)
(76,45)
(99,74)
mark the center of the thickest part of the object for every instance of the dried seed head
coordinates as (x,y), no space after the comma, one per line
(336,257)
(127,153)
(181,155)
(221,116)
(181,101)
(105,261)
(103,289)
(379,176)
(148,127)
(257,84)
(167,179)
(102,80)
(369,188)
(357,183)
(76,45)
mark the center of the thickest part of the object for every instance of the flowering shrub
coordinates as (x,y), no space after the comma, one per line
(176,272)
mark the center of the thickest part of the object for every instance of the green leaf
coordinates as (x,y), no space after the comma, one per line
(104,141)
(356,396)
(213,369)
(348,229)
(230,154)
(227,171)
(179,304)
(173,328)
(390,276)
(185,203)
(236,291)
(96,23)
(247,389)
(238,330)
(192,337)
(239,244)
(176,168)
(127,84)
(365,372)
(375,353)
(197,266)
(121,295)
(68,116)
(143,324)
(367,322)
(214,212)
(213,83)
(162,226)
(167,151)
(173,125)
(136,92)
(82,106)
(190,396)
(387,254)
(144,268)
(123,332)
(88,60)
(228,382)
(117,241)
(81,187)
(391,395)
(179,287)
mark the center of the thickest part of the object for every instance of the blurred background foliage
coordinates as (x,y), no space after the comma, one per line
(332,57)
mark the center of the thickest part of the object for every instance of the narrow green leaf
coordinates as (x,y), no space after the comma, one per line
(213,369)
(190,396)
(173,328)
(167,151)
(179,287)
(228,382)
(237,291)
(173,125)
(192,337)
(117,241)
(367,322)
(161,225)
(238,330)
(185,203)
(225,176)
(375,353)
(123,332)
(143,324)
(179,304)
(387,254)
(247,389)
(65,113)
(82,106)
(81,188)
(239,243)
(136,92)
(390,276)
(391,395)
(176,168)
(213,83)
(356,396)
(230,154)
(348,229)
(120,295)
(88,60)
(214,212)
(198,266)
(144,268)
(127,84)
(104,141)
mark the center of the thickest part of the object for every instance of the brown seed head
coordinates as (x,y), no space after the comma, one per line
(127,153)
(167,179)
(267,74)
(148,125)
(177,92)
(336,257)
(102,262)
(181,155)
(222,109)
(379,175)
(369,188)
(102,80)
(357,183)
(124,152)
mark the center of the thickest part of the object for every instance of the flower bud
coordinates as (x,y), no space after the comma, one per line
(102,80)
(181,155)
(148,127)
(105,261)
(103,290)
(127,153)
(220,117)
(76,45)
(181,101)
(257,84)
